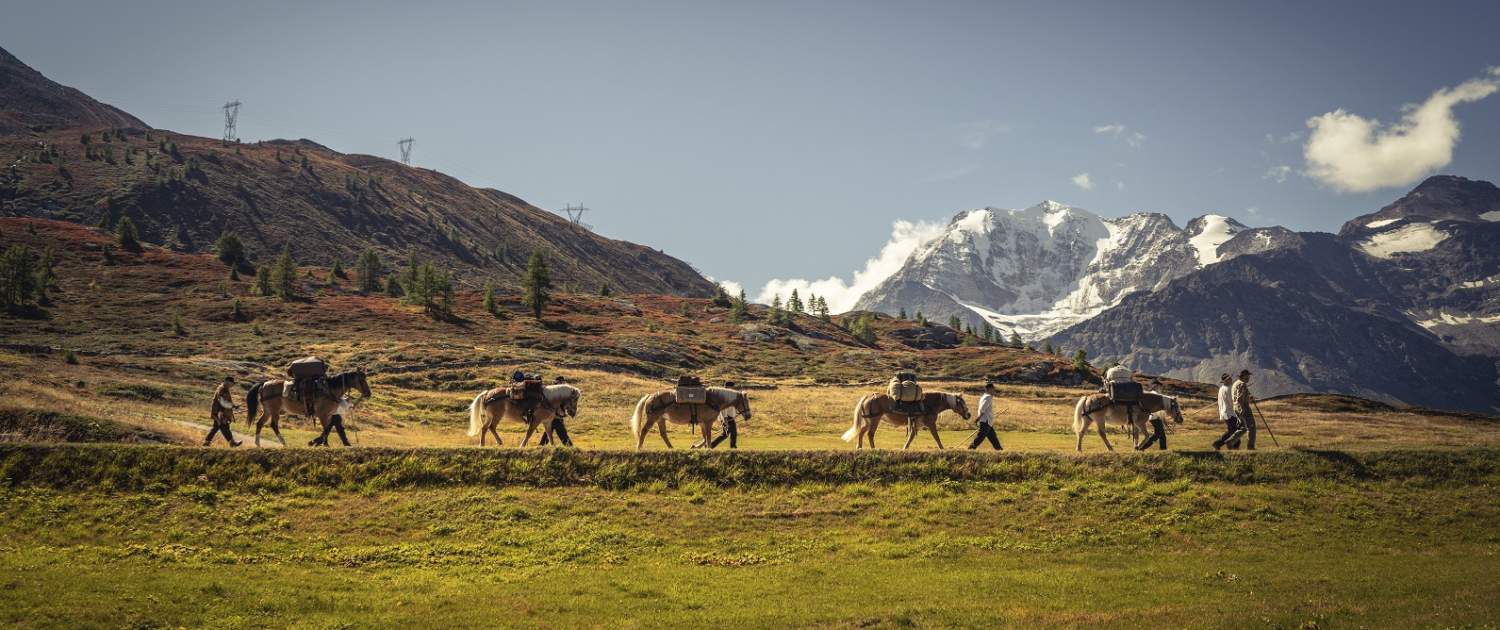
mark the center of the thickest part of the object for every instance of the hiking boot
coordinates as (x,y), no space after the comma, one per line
(235,444)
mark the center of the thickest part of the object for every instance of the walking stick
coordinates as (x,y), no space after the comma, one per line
(1264,422)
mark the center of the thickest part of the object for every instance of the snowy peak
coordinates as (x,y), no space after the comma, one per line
(1208,232)
(1438,198)
(1039,269)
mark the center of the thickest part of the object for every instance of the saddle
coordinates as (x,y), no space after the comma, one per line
(690,391)
(529,389)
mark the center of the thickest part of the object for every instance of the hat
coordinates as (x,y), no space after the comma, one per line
(989,385)
(1225,377)
(729,384)
(1244,372)
(229,378)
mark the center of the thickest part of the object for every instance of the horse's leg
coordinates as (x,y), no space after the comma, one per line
(911,433)
(708,432)
(1082,429)
(640,440)
(530,428)
(276,427)
(661,425)
(932,426)
(259,422)
(874,424)
(1102,436)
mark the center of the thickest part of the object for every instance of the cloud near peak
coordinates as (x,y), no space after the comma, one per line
(1083,181)
(906,236)
(1356,154)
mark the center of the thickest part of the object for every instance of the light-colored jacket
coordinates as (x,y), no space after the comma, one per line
(1242,399)
(986,413)
(1118,374)
(1226,409)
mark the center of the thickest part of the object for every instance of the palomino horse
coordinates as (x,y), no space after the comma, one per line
(1097,408)
(558,401)
(661,407)
(269,394)
(875,407)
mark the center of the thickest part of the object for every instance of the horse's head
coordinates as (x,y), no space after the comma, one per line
(569,405)
(957,404)
(361,383)
(741,404)
(1173,409)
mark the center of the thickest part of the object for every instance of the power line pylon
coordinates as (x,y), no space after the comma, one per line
(231,118)
(575,214)
(405,144)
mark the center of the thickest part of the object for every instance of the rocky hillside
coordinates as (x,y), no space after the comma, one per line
(1041,269)
(69,157)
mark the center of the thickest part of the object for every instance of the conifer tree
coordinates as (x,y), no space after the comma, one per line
(368,269)
(536,283)
(263,281)
(1080,361)
(604,290)
(794,303)
(284,274)
(1015,340)
(17,276)
(127,234)
(489,297)
(902,314)
(1047,347)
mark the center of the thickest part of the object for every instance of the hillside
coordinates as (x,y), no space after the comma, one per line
(124,303)
(72,158)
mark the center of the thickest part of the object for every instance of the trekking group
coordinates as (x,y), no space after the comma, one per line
(527,399)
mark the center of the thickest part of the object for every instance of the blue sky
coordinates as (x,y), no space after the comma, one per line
(764,140)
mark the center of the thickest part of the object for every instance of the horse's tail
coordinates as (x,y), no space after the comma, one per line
(252,401)
(853,431)
(1078,415)
(476,414)
(637,418)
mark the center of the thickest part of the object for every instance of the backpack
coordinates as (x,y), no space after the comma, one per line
(307,367)
(1124,393)
(690,390)
(904,388)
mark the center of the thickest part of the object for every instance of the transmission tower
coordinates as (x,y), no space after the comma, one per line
(575,214)
(231,116)
(405,144)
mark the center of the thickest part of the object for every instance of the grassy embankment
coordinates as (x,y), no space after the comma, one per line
(121,535)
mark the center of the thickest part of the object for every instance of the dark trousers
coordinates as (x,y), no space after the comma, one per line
(986,432)
(1249,422)
(1158,435)
(222,418)
(1231,427)
(561,430)
(731,432)
(336,423)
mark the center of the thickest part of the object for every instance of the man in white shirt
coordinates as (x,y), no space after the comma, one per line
(985,417)
(1232,429)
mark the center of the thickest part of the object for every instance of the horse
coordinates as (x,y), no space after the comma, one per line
(1097,408)
(558,401)
(267,397)
(870,409)
(661,407)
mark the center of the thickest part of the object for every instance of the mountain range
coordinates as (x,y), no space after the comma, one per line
(67,156)
(1402,305)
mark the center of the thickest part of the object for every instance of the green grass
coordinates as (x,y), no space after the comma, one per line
(155,536)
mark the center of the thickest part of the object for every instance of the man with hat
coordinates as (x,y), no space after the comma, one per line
(1243,401)
(1226,415)
(222,413)
(985,418)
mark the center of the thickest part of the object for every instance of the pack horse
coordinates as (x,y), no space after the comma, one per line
(904,404)
(689,403)
(317,396)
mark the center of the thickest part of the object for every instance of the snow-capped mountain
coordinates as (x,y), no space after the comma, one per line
(1038,270)
(1403,305)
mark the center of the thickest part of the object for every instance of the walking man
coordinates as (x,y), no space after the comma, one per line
(222,413)
(730,430)
(1243,401)
(985,418)
(1232,428)
(1158,426)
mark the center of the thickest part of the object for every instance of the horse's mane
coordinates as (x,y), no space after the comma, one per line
(561,387)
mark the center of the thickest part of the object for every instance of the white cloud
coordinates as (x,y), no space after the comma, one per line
(1252,210)
(841,295)
(1119,185)
(1356,154)
(1277,173)
(731,287)
(1287,138)
(1121,132)
(976,135)
(1081,180)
